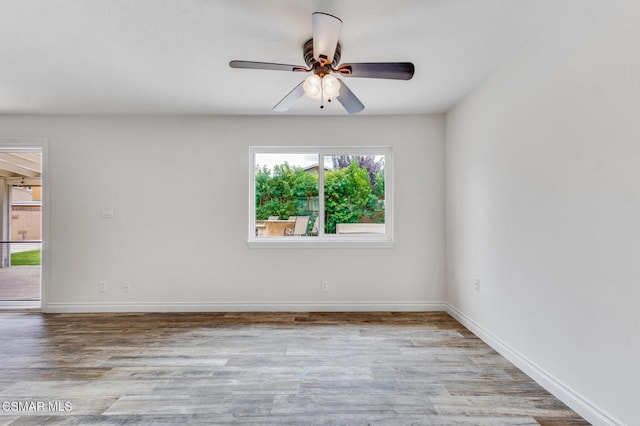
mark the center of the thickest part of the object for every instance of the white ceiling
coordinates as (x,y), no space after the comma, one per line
(171,57)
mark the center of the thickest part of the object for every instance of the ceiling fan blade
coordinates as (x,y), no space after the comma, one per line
(326,32)
(349,100)
(389,70)
(266,66)
(288,101)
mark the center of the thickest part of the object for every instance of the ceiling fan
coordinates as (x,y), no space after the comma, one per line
(322,56)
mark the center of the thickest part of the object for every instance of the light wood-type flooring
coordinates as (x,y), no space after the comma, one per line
(375,368)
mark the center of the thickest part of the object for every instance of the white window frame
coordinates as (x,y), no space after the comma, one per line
(385,240)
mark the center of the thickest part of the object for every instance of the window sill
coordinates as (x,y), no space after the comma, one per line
(314,243)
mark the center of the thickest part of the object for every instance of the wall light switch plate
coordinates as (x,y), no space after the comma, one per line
(107,212)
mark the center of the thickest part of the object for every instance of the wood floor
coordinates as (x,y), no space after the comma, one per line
(378,368)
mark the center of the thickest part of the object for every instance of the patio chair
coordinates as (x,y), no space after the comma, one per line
(299,228)
(289,231)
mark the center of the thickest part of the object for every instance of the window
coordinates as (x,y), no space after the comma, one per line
(331,196)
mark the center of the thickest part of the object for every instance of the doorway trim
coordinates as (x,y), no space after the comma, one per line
(31,144)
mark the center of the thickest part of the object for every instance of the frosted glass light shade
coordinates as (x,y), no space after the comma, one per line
(330,86)
(325,88)
(313,87)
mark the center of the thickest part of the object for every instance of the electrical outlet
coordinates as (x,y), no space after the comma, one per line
(126,287)
(324,286)
(102,286)
(476,284)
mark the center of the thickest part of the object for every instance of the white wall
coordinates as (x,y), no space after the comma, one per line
(543,206)
(179,189)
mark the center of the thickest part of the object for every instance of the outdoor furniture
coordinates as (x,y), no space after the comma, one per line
(273,228)
(360,228)
(299,228)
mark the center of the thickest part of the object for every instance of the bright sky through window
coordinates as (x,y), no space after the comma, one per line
(299,160)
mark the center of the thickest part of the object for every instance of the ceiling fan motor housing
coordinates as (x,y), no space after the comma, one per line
(316,66)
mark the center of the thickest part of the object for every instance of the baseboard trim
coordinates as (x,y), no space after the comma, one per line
(244,307)
(564,393)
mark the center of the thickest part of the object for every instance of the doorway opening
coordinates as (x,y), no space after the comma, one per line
(21,227)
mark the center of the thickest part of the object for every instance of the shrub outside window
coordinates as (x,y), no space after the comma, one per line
(320,196)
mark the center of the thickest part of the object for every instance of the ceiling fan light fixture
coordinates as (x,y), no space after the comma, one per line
(321,88)
(313,87)
(330,87)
